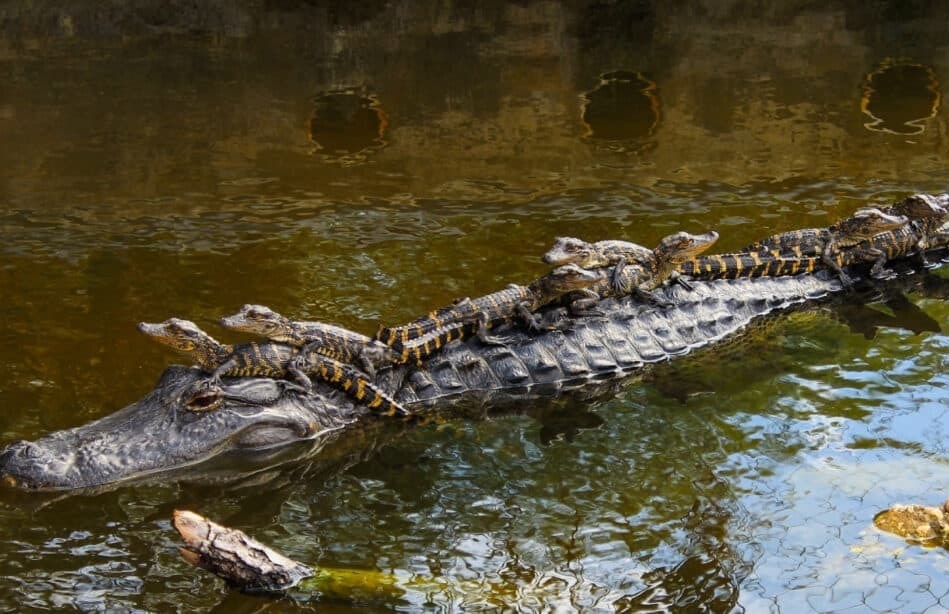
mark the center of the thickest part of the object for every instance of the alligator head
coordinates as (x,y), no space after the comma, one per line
(181,422)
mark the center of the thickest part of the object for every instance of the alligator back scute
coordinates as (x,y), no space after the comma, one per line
(542,362)
(648,347)
(611,337)
(419,386)
(671,342)
(624,353)
(570,355)
(448,378)
(599,357)
(507,366)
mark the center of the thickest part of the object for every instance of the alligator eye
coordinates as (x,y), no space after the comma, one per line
(205,400)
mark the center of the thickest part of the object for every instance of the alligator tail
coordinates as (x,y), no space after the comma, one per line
(348,379)
(416,349)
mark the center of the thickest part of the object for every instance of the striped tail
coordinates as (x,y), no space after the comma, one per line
(348,379)
(428,326)
(746,264)
(416,349)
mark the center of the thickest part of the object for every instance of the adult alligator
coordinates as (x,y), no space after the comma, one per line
(161,431)
(166,430)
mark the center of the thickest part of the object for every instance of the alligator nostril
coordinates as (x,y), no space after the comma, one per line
(18,451)
(27,450)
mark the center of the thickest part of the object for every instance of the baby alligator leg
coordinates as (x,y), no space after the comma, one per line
(878,271)
(585,303)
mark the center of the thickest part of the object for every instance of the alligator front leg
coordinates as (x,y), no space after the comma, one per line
(620,287)
(296,367)
(483,325)
(678,278)
(651,298)
(214,381)
(830,259)
(584,304)
(878,271)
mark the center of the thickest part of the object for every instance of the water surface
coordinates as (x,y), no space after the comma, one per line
(364,165)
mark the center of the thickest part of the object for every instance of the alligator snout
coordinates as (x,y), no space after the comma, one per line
(14,458)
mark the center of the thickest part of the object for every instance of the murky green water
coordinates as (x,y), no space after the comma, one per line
(366,164)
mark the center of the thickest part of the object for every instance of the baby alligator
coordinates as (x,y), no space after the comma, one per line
(334,341)
(268,360)
(927,215)
(849,236)
(480,314)
(930,229)
(641,278)
(568,250)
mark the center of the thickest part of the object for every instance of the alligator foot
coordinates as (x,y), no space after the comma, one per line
(682,280)
(209,385)
(295,387)
(585,306)
(296,369)
(883,274)
(496,339)
(651,298)
(845,280)
(925,262)
(616,280)
(531,321)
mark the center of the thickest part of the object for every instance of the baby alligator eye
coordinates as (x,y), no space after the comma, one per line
(204,400)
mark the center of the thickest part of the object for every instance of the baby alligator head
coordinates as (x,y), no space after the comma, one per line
(260,320)
(681,246)
(569,250)
(568,278)
(865,223)
(185,337)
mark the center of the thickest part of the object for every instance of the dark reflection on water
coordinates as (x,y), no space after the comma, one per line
(624,106)
(367,162)
(900,97)
(347,125)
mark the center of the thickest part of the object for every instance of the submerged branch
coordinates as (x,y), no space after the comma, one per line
(233,555)
(247,564)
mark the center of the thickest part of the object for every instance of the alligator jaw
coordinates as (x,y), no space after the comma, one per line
(159,433)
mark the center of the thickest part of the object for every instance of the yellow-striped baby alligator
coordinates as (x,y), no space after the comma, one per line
(928,225)
(569,250)
(276,360)
(847,240)
(639,279)
(480,314)
(928,215)
(336,342)
(652,266)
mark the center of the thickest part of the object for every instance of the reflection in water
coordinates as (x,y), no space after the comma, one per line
(900,97)
(347,126)
(623,107)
